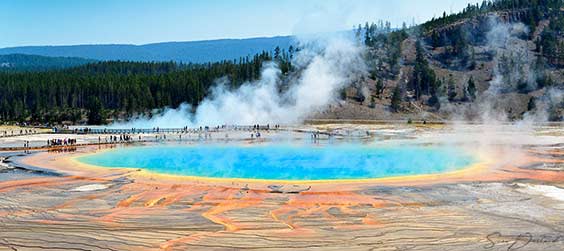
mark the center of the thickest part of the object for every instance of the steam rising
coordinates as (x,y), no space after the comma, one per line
(512,56)
(495,136)
(513,65)
(326,66)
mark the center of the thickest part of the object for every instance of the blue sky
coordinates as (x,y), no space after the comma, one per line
(66,22)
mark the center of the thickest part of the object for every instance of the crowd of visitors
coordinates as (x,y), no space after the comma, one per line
(61,142)
(17,132)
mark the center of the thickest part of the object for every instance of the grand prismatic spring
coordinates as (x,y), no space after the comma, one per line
(285,161)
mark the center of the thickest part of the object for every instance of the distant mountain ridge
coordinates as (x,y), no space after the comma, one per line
(23,62)
(187,52)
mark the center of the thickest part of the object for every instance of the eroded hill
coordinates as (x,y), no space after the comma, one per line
(477,64)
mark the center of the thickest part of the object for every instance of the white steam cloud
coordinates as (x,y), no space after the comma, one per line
(513,71)
(323,72)
(512,56)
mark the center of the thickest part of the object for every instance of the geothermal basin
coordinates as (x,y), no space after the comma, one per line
(295,162)
(370,186)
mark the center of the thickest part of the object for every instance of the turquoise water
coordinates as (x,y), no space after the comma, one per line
(285,162)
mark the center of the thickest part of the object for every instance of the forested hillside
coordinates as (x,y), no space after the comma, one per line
(507,55)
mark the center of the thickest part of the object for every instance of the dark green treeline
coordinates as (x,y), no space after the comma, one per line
(123,88)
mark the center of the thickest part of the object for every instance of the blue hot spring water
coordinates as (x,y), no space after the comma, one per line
(284,162)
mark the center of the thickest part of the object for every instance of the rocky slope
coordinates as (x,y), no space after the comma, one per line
(501,56)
